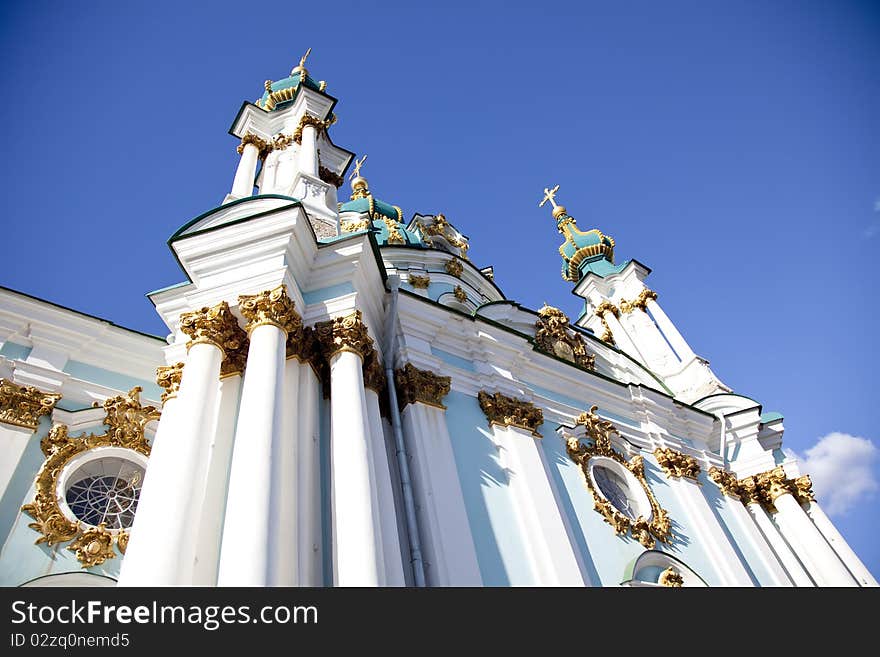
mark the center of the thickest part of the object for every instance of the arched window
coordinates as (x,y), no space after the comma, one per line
(655,568)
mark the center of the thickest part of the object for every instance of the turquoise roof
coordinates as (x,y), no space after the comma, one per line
(600,266)
(363,205)
(770,416)
(378,211)
(288,83)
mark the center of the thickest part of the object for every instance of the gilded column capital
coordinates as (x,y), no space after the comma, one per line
(313,121)
(419,282)
(749,491)
(415,385)
(639,303)
(263,147)
(347,333)
(302,344)
(509,411)
(774,484)
(676,464)
(24,405)
(374,375)
(454,267)
(169,377)
(606,307)
(803,489)
(269,307)
(217,325)
(725,480)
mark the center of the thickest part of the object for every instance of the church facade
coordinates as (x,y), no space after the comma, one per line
(345,399)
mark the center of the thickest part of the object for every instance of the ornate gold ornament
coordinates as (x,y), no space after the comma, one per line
(676,464)
(263,147)
(354,226)
(270,307)
(24,405)
(725,480)
(309,119)
(419,282)
(671,577)
(606,307)
(764,488)
(509,411)
(459,293)
(218,326)
(555,336)
(169,377)
(94,546)
(659,527)
(639,303)
(126,419)
(344,334)
(374,374)
(454,267)
(415,385)
(281,141)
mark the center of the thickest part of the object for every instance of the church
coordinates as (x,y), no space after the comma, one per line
(344,398)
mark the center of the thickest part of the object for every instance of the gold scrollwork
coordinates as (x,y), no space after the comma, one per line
(600,431)
(671,577)
(263,147)
(509,411)
(126,419)
(764,488)
(415,385)
(725,480)
(454,267)
(639,303)
(555,336)
(218,326)
(676,464)
(419,282)
(309,119)
(348,333)
(270,307)
(24,405)
(168,377)
(459,293)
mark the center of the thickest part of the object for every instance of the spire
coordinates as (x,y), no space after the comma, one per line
(359,185)
(301,67)
(278,92)
(579,247)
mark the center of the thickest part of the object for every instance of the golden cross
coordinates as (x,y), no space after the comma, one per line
(357,167)
(549,195)
(302,62)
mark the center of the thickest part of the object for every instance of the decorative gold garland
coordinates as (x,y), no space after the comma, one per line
(660,525)
(93,545)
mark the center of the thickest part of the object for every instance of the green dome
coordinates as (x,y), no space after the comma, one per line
(581,248)
(284,91)
(383,220)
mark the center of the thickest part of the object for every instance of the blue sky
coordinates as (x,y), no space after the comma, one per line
(733,147)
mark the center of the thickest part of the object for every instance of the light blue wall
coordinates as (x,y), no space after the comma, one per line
(20,559)
(452,359)
(324,293)
(488,499)
(111,379)
(584,404)
(15,351)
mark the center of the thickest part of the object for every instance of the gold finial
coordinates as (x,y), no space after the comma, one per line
(550,195)
(358,183)
(301,67)
(268,85)
(357,167)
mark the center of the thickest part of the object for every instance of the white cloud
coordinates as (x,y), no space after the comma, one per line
(841,467)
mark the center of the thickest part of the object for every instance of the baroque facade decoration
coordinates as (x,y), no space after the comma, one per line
(126,420)
(284,455)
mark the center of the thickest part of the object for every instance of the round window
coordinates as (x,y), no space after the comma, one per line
(102,486)
(620,488)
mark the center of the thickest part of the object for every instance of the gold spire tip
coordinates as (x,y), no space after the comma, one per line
(301,67)
(550,195)
(357,169)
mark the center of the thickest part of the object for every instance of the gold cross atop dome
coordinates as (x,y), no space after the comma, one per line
(301,67)
(357,167)
(550,195)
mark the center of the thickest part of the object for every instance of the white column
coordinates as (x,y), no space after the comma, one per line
(725,559)
(308,154)
(248,531)
(621,337)
(447,543)
(821,561)
(243,184)
(284,555)
(389,543)
(309,529)
(13,441)
(670,332)
(649,339)
(789,560)
(554,560)
(217,475)
(161,550)
(761,546)
(355,562)
(839,545)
